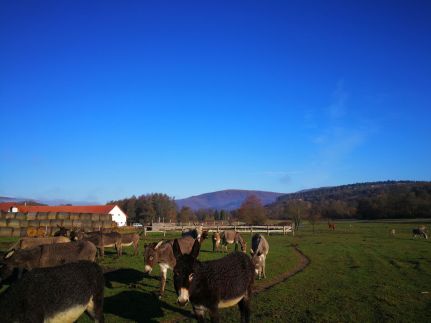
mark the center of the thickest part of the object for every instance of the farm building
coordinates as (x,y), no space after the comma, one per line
(118,216)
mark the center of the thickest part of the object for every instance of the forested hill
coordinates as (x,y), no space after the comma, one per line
(390,199)
(226,199)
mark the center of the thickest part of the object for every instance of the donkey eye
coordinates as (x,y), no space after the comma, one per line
(191,276)
(151,257)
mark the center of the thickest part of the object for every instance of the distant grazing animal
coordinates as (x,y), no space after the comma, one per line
(420,232)
(48,255)
(392,232)
(230,237)
(212,285)
(62,231)
(28,243)
(100,239)
(197,233)
(331,226)
(216,239)
(161,253)
(259,250)
(57,294)
(129,239)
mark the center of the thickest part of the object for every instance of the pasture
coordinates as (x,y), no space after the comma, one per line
(357,273)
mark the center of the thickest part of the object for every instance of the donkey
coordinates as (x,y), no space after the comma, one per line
(62,231)
(215,284)
(57,294)
(161,253)
(129,239)
(230,237)
(43,256)
(100,239)
(259,250)
(420,232)
(331,226)
(197,233)
(216,241)
(28,243)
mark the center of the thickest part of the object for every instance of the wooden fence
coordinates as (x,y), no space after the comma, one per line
(268,229)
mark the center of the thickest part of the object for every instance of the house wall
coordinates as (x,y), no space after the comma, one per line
(118,216)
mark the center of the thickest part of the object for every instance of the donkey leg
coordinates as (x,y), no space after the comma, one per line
(200,313)
(214,315)
(163,272)
(244,307)
(95,308)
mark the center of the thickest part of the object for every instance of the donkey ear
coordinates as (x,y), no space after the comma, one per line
(9,254)
(195,249)
(251,251)
(176,249)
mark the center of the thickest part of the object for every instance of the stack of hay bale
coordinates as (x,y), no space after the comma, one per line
(19,224)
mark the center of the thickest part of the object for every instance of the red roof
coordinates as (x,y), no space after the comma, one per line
(6,206)
(102,209)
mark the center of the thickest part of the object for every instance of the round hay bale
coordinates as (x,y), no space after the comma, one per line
(67,224)
(87,225)
(52,215)
(42,216)
(21,216)
(31,232)
(85,216)
(63,216)
(12,223)
(5,232)
(16,232)
(2,215)
(105,217)
(77,223)
(3,223)
(97,225)
(54,223)
(24,224)
(41,232)
(45,223)
(95,217)
(74,216)
(107,224)
(33,223)
(10,215)
(31,216)
(23,232)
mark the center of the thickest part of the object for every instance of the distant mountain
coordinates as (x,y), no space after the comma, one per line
(225,200)
(4,199)
(372,200)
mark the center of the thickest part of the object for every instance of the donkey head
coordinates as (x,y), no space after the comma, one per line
(150,255)
(184,271)
(62,231)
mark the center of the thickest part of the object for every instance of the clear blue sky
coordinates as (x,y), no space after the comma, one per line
(100,100)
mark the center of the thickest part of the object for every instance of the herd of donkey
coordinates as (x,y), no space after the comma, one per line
(56,279)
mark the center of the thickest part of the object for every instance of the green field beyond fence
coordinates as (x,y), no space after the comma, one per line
(357,273)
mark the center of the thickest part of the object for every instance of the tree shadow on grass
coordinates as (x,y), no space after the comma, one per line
(139,307)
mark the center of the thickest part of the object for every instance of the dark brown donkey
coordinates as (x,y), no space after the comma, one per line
(215,284)
(230,237)
(58,294)
(100,239)
(161,253)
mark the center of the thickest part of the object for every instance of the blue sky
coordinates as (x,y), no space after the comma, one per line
(104,99)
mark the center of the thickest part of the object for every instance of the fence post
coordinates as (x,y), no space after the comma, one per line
(267,229)
(251,229)
(234,227)
(164,233)
(218,229)
(145,231)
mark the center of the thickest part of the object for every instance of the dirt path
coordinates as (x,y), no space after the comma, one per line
(300,266)
(304,261)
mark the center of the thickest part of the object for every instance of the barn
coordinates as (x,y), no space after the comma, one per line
(118,216)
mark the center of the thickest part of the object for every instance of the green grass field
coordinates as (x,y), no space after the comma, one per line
(356,274)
